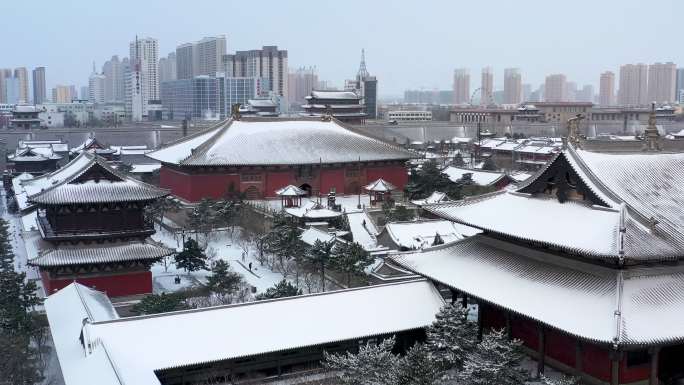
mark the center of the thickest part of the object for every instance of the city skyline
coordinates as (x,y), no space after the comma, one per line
(582,55)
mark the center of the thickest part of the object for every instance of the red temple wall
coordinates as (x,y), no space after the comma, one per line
(634,373)
(526,331)
(193,187)
(596,361)
(114,285)
(561,347)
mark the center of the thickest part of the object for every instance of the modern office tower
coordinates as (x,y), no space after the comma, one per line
(185,61)
(21,74)
(113,71)
(4,74)
(167,68)
(607,89)
(64,94)
(526,92)
(269,63)
(513,90)
(204,57)
(239,90)
(461,86)
(571,91)
(301,83)
(84,93)
(39,89)
(586,94)
(13,90)
(210,51)
(662,79)
(96,87)
(679,89)
(487,86)
(143,82)
(633,85)
(555,88)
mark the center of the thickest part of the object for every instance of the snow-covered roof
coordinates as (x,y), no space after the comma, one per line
(68,255)
(144,168)
(380,185)
(626,307)
(290,191)
(262,103)
(333,95)
(312,210)
(421,234)
(266,141)
(435,197)
(479,177)
(66,185)
(363,230)
(222,333)
(312,234)
(520,176)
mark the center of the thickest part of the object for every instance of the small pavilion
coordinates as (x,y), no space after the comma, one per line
(379,191)
(291,196)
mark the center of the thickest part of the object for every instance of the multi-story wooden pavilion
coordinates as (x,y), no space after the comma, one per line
(258,156)
(584,262)
(94,231)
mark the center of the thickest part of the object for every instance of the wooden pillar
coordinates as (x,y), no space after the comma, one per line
(464,300)
(614,367)
(454,296)
(479,321)
(579,357)
(541,360)
(655,359)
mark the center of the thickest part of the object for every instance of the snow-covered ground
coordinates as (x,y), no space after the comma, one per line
(363,230)
(221,245)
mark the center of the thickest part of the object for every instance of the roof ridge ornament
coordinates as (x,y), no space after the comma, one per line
(573,138)
(328,114)
(651,135)
(235,111)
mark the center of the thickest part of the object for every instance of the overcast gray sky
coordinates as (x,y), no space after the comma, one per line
(409,44)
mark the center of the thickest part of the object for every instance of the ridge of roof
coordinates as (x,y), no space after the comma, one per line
(190,137)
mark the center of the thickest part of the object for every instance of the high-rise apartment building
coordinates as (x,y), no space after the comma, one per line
(461,86)
(571,92)
(39,88)
(586,94)
(662,79)
(210,51)
(4,74)
(167,68)
(143,82)
(96,87)
(301,83)
(487,86)
(679,86)
(185,61)
(269,63)
(64,94)
(607,89)
(113,70)
(555,88)
(21,74)
(633,90)
(513,90)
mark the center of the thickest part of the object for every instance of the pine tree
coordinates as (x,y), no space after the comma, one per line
(373,365)
(192,258)
(428,179)
(159,303)
(350,258)
(280,290)
(495,361)
(201,218)
(283,240)
(225,212)
(223,281)
(417,367)
(319,256)
(451,337)
(18,356)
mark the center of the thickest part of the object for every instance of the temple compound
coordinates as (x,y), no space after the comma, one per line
(93,228)
(259,156)
(584,262)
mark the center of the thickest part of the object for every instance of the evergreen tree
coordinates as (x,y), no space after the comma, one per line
(428,179)
(201,218)
(350,258)
(161,207)
(281,289)
(417,367)
(458,160)
(319,256)
(495,361)
(159,303)
(223,281)
(373,365)
(19,360)
(283,240)
(192,258)
(489,164)
(451,337)
(225,212)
